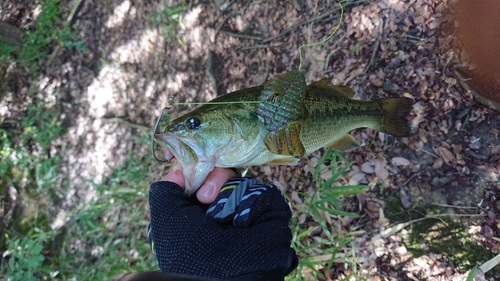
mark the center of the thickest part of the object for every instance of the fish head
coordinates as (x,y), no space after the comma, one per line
(202,140)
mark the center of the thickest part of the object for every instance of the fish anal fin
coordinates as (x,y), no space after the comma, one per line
(286,140)
(345,143)
(290,161)
(344,91)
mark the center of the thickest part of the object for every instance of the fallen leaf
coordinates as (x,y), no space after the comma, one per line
(445,154)
(380,170)
(405,200)
(367,168)
(356,178)
(382,173)
(302,218)
(295,198)
(389,86)
(475,145)
(438,163)
(375,80)
(400,161)
(457,148)
(495,149)
(494,131)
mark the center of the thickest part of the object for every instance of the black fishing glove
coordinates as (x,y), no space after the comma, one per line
(243,235)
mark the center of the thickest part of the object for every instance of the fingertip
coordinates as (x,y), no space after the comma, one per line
(213,184)
(208,192)
(175,176)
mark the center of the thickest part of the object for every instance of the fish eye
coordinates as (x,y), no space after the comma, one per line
(193,123)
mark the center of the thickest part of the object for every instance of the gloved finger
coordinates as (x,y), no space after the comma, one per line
(167,198)
(213,184)
(243,200)
(270,205)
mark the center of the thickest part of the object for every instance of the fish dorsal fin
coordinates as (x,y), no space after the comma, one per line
(345,143)
(286,140)
(342,90)
(290,161)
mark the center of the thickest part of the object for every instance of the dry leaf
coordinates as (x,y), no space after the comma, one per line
(382,173)
(445,154)
(375,80)
(380,170)
(295,198)
(302,218)
(495,149)
(356,178)
(438,163)
(475,145)
(405,200)
(367,168)
(457,148)
(400,161)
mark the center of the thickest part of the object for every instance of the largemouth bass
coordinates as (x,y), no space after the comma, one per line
(275,123)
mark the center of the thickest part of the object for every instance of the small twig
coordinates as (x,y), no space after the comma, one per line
(398,227)
(409,179)
(333,52)
(314,19)
(209,72)
(414,37)
(240,11)
(431,154)
(376,47)
(259,46)
(222,23)
(238,35)
(451,206)
(329,56)
(72,13)
(264,77)
(222,12)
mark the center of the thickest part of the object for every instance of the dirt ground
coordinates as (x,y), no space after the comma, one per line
(383,48)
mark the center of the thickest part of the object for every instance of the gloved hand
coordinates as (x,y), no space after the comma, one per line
(243,235)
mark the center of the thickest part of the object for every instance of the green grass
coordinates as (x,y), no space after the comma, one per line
(317,254)
(104,238)
(447,235)
(167,20)
(111,227)
(37,40)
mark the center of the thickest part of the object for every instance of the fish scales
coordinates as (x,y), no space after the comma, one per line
(274,123)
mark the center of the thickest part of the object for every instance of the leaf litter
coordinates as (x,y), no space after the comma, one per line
(383,48)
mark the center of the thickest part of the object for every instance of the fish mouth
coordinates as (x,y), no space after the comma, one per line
(175,148)
(187,154)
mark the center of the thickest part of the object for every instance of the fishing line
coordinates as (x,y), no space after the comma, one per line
(327,38)
(171,98)
(219,102)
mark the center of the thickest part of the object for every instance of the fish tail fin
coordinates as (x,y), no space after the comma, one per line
(394,120)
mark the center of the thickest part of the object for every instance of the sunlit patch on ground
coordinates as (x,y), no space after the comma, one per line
(111,93)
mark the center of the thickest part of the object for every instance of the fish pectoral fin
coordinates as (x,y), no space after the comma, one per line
(286,140)
(345,143)
(290,161)
(342,90)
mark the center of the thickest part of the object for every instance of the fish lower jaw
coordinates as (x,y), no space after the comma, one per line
(169,155)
